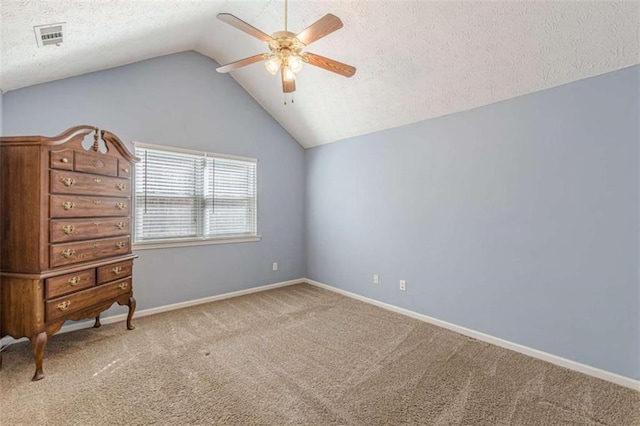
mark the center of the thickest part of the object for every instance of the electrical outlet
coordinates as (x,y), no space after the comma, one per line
(375,278)
(403,285)
(275,266)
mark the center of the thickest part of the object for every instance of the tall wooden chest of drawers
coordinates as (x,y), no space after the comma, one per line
(65,232)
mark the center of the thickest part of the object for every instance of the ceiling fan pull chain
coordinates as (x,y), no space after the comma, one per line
(286,10)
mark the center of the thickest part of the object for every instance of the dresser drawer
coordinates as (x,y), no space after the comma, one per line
(84,251)
(100,164)
(114,271)
(84,229)
(124,168)
(86,184)
(69,283)
(62,160)
(67,305)
(83,206)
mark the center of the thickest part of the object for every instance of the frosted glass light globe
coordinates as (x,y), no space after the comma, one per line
(273,65)
(288,74)
(295,63)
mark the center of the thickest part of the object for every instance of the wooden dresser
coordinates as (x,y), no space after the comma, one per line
(65,232)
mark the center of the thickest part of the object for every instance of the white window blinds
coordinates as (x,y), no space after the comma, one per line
(189,195)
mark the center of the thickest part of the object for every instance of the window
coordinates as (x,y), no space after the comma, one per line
(188,197)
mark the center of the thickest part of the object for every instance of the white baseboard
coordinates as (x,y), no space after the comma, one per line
(535,353)
(6,341)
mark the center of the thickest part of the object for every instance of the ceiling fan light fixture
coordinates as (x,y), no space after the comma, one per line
(273,64)
(295,63)
(288,74)
(287,48)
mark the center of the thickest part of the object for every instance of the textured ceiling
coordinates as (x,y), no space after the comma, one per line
(415,59)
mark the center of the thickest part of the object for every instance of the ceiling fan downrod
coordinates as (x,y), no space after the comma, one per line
(286,10)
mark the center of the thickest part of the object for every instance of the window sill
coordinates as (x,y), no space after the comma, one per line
(197,242)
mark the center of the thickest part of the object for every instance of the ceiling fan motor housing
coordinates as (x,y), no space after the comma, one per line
(285,42)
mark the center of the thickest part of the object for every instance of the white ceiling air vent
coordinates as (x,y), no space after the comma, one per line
(49,35)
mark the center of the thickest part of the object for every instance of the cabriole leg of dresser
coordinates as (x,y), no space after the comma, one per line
(38,343)
(97,324)
(132,309)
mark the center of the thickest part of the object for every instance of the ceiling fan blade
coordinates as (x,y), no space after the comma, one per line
(329,64)
(288,86)
(243,26)
(321,28)
(241,63)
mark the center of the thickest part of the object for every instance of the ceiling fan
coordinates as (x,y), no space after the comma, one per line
(287,54)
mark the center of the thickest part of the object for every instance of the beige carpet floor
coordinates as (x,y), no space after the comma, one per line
(296,355)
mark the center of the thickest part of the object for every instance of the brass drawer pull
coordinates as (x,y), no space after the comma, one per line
(125,170)
(68,229)
(96,202)
(123,285)
(64,305)
(97,180)
(74,281)
(96,245)
(121,186)
(68,181)
(68,205)
(121,206)
(64,160)
(68,253)
(116,270)
(97,223)
(121,225)
(121,244)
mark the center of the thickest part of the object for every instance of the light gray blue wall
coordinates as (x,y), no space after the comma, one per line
(518,219)
(1,97)
(181,100)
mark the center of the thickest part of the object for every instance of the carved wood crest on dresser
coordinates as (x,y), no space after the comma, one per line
(65,232)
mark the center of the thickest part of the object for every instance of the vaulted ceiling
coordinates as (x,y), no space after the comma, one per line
(415,59)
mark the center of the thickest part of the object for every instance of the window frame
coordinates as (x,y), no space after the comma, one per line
(188,241)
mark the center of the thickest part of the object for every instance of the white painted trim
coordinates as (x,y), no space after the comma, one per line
(145,145)
(535,353)
(6,341)
(196,242)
